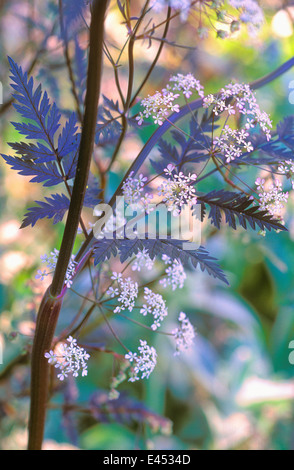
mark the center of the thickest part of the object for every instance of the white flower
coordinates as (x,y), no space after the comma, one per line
(187,84)
(51,262)
(144,363)
(272,197)
(145,203)
(70,271)
(145,310)
(184,335)
(133,187)
(41,274)
(142,260)
(156,306)
(71,359)
(169,169)
(250,14)
(160,105)
(62,375)
(175,273)
(116,276)
(182,5)
(247,12)
(140,118)
(208,101)
(51,356)
(178,190)
(232,143)
(112,292)
(130,356)
(287,168)
(127,292)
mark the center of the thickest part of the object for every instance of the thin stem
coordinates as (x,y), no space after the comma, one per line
(143,326)
(185,133)
(66,332)
(227,180)
(151,68)
(119,142)
(237,177)
(154,27)
(117,83)
(112,330)
(83,321)
(131,58)
(68,62)
(127,103)
(51,304)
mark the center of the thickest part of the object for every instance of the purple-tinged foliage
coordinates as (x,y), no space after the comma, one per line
(54,208)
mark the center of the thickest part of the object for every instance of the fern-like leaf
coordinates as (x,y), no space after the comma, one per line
(35,106)
(46,173)
(236,207)
(126,248)
(54,208)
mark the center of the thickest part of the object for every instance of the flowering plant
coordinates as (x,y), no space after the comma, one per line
(125,270)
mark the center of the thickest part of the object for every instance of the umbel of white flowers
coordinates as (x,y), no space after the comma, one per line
(51,261)
(144,362)
(247,12)
(69,359)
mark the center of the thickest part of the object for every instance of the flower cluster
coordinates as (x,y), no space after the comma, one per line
(156,306)
(51,262)
(272,197)
(144,363)
(185,84)
(142,260)
(287,168)
(237,98)
(70,359)
(184,335)
(175,273)
(178,190)
(132,188)
(160,105)
(244,101)
(126,292)
(250,14)
(232,143)
(182,5)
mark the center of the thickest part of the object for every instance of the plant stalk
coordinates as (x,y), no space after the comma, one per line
(51,304)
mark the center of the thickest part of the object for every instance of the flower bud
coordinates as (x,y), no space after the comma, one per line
(235,26)
(221,34)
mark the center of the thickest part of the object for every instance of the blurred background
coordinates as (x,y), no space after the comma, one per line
(235,390)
